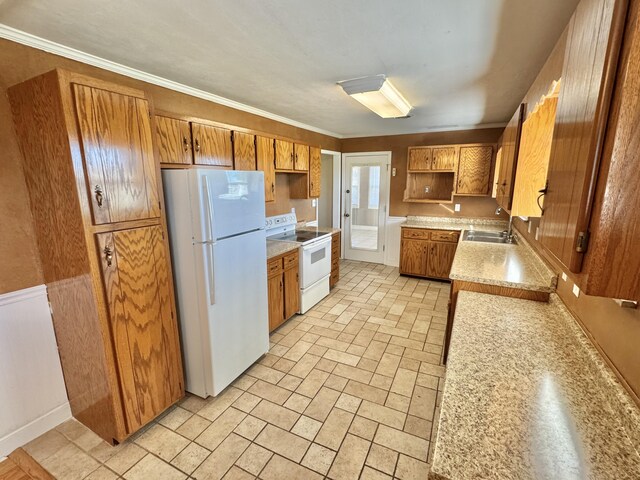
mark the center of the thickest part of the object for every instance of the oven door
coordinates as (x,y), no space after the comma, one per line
(315,262)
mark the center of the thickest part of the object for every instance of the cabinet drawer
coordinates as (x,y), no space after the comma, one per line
(274,266)
(291,260)
(415,233)
(445,236)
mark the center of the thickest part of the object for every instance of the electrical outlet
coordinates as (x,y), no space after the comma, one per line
(456,207)
(564,276)
(529,227)
(576,290)
(293,209)
(537,230)
(427,189)
(314,202)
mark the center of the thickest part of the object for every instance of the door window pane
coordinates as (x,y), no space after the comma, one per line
(365,202)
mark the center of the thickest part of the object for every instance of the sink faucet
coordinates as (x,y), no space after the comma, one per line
(509,232)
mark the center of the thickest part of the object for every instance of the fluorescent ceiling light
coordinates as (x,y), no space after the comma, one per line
(378,95)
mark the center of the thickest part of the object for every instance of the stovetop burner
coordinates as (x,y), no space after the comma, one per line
(299,236)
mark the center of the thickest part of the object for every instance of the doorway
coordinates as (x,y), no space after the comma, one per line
(365,198)
(329,201)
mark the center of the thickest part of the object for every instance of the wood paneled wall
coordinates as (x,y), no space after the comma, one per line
(19,263)
(398,145)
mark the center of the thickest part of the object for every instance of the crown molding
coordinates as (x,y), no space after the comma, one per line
(453,128)
(39,43)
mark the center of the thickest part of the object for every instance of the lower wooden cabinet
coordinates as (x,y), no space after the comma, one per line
(283,284)
(427,253)
(335,259)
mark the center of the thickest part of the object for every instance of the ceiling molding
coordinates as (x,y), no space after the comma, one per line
(39,43)
(480,126)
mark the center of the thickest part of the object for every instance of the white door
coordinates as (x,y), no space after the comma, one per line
(365,197)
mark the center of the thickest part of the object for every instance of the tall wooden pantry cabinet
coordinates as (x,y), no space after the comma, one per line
(97,205)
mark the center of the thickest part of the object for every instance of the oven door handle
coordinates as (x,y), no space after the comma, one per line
(315,246)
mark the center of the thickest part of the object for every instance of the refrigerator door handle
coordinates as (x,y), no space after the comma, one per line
(207,196)
(211,272)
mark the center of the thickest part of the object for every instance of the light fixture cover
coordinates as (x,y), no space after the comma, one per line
(378,94)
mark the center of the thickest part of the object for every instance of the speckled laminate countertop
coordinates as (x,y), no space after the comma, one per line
(506,265)
(455,223)
(528,397)
(276,247)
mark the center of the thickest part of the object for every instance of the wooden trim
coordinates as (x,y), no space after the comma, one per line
(28,465)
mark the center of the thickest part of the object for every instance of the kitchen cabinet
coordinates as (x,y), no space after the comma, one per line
(301,158)
(315,171)
(335,259)
(419,158)
(173,139)
(265,161)
(427,253)
(444,158)
(212,145)
(588,77)
(474,169)
(506,172)
(283,283)
(432,158)
(244,151)
(284,155)
(103,251)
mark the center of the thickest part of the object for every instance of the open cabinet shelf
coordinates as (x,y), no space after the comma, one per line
(440,185)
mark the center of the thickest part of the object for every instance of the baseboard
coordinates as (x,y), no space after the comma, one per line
(34,429)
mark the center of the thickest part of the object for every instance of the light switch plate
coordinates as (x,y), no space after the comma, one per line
(457,207)
(393,172)
(576,290)
(564,276)
(529,227)
(314,202)
(537,230)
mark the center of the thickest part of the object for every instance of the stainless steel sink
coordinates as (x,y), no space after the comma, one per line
(488,237)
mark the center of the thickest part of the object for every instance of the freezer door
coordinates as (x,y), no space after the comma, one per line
(236,299)
(228,202)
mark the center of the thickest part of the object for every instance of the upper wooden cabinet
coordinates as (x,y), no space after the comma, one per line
(173,139)
(301,157)
(419,158)
(315,169)
(535,149)
(109,282)
(506,171)
(588,76)
(265,158)
(244,151)
(474,169)
(284,155)
(444,158)
(122,181)
(212,145)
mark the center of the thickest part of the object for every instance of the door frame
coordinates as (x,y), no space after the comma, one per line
(386,174)
(336,208)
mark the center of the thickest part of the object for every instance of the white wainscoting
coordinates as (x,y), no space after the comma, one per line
(33,398)
(392,241)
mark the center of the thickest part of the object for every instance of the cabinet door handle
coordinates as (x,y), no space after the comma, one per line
(273,187)
(197,145)
(108,255)
(99,196)
(280,285)
(185,144)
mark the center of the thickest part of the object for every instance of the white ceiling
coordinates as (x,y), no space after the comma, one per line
(460,63)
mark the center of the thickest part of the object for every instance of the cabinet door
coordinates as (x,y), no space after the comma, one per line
(174,141)
(301,162)
(291,292)
(443,158)
(244,151)
(413,257)
(474,170)
(315,168)
(284,155)
(115,133)
(276,301)
(510,146)
(419,158)
(440,259)
(143,325)
(212,145)
(265,157)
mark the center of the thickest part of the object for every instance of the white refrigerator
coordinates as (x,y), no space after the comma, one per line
(218,245)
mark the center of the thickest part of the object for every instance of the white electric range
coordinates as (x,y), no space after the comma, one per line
(315,256)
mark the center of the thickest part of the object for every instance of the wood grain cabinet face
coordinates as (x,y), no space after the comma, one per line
(117,147)
(173,138)
(301,157)
(140,305)
(444,158)
(315,168)
(284,155)
(291,291)
(510,146)
(275,285)
(244,151)
(440,259)
(283,287)
(265,158)
(413,257)
(212,146)
(419,158)
(427,253)
(474,170)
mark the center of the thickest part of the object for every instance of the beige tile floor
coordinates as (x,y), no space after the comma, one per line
(350,390)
